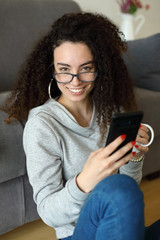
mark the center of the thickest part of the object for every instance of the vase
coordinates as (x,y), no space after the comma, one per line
(128,25)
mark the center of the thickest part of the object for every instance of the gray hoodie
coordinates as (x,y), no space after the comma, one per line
(57,148)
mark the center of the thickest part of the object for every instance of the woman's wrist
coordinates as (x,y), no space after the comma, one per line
(81,183)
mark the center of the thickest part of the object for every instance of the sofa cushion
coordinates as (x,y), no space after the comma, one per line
(22,22)
(143,62)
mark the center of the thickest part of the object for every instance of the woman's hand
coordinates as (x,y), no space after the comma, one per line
(102,164)
(142,137)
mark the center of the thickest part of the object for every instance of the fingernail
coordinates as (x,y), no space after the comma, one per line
(123,136)
(133,143)
(133,153)
(136,146)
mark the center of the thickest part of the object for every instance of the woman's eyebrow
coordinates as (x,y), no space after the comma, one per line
(64,64)
(86,63)
(67,65)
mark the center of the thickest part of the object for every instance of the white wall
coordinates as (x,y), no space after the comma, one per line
(110,8)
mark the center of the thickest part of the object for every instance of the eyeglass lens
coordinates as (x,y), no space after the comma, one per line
(86,77)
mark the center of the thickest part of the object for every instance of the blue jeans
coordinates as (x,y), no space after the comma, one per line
(114,210)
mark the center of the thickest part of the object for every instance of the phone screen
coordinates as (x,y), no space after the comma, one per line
(124,123)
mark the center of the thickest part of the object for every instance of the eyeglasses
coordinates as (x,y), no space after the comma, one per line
(68,77)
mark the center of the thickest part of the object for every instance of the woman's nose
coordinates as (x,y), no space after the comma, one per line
(75,80)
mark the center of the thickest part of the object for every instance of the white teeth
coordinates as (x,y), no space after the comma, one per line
(76,90)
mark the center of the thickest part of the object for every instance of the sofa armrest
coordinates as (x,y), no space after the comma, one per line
(148,101)
(12,157)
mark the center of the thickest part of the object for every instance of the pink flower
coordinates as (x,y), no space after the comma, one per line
(131,6)
(147,7)
(138,3)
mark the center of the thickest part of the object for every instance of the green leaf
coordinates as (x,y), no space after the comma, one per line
(133,9)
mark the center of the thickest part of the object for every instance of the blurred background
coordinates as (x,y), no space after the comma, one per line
(111,9)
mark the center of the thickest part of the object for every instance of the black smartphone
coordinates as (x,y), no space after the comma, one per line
(124,123)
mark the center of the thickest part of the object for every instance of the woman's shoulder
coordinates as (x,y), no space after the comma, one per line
(41,119)
(49,108)
(50,113)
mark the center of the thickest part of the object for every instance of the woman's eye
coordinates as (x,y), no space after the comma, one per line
(64,69)
(87,69)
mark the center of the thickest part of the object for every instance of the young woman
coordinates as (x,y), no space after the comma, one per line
(69,87)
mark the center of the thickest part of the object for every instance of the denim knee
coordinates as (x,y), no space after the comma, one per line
(114,207)
(120,188)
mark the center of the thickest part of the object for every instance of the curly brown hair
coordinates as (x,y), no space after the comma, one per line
(113,89)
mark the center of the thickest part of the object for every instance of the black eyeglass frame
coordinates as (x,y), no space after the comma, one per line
(74,75)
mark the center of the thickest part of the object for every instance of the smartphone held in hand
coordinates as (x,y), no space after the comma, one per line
(127,123)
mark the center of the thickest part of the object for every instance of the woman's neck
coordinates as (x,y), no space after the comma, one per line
(82,111)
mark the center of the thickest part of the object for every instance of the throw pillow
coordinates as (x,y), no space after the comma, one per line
(143,62)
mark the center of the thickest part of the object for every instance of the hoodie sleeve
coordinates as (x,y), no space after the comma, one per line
(133,170)
(58,203)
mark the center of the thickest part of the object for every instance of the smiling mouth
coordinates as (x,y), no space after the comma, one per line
(76,90)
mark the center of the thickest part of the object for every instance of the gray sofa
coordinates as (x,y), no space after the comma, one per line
(143,63)
(21,23)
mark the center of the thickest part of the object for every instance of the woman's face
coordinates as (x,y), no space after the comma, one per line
(74,58)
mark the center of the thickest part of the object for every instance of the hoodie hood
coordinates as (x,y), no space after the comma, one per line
(54,110)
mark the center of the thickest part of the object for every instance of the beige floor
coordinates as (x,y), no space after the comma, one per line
(39,231)
(151,191)
(31,231)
